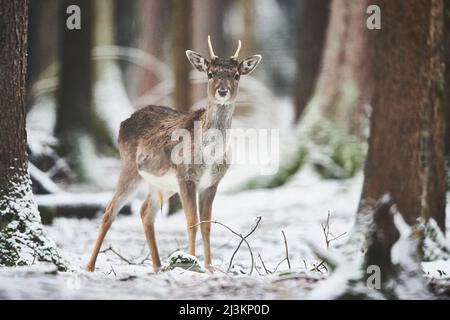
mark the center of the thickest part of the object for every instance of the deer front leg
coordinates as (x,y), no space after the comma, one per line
(188,200)
(206,199)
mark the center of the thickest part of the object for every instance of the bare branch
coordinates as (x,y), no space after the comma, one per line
(110,248)
(243,239)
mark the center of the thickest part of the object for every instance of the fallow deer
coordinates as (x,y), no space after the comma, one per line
(146,145)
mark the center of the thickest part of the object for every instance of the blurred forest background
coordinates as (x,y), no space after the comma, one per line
(129,54)
(349,101)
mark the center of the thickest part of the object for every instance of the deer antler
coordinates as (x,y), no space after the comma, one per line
(236,54)
(211,51)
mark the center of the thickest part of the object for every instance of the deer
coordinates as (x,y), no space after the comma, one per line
(146,144)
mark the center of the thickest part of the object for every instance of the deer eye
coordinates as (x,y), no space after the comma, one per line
(210,75)
(237,76)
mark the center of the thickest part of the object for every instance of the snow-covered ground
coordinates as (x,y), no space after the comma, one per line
(298,209)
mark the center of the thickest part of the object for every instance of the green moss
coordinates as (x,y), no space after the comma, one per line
(338,154)
(284,174)
(47,214)
(179,259)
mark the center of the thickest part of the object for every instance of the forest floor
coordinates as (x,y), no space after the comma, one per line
(299,209)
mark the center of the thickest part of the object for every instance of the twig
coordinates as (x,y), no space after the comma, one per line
(110,248)
(321,264)
(327,233)
(263,264)
(117,254)
(111,271)
(326,230)
(243,239)
(278,265)
(304,263)
(287,251)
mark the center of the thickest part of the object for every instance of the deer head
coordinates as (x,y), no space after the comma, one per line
(223,73)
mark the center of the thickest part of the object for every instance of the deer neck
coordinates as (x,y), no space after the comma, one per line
(218,116)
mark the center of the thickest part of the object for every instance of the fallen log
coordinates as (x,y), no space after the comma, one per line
(74,205)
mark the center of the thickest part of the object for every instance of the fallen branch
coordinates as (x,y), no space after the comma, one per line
(110,248)
(243,239)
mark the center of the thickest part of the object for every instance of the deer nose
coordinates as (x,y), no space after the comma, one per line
(222,92)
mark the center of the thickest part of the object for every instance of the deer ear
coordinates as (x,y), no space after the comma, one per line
(249,64)
(199,63)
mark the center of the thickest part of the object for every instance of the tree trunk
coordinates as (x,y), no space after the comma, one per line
(406,145)
(313,22)
(207,19)
(152,36)
(42,42)
(77,122)
(181,41)
(330,134)
(22,238)
(447,78)
(345,82)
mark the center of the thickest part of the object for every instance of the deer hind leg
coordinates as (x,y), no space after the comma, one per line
(128,183)
(188,200)
(149,210)
(206,199)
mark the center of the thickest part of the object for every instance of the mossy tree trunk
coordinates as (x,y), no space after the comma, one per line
(312,27)
(22,238)
(406,145)
(345,84)
(330,135)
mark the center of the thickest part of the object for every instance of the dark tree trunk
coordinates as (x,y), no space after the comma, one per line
(181,41)
(447,76)
(42,42)
(13,25)
(313,22)
(76,116)
(22,238)
(76,72)
(151,21)
(126,29)
(406,146)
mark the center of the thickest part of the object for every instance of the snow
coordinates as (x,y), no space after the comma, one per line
(22,238)
(298,209)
